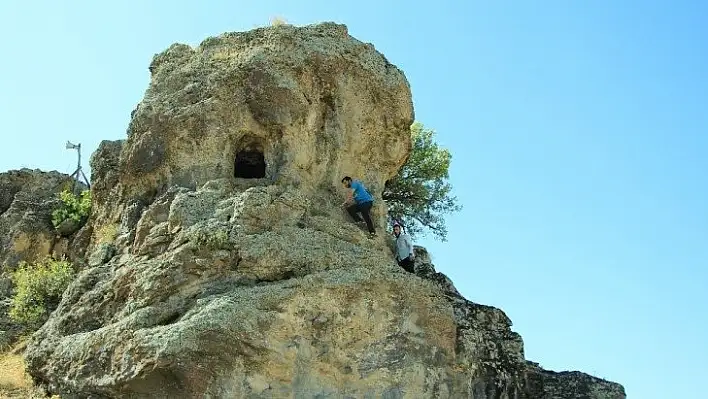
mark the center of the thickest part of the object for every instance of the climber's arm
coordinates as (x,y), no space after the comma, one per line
(350,197)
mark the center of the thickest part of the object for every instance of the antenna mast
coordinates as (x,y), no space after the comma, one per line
(79,172)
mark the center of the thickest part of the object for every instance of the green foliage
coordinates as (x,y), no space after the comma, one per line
(75,207)
(210,239)
(38,290)
(419,195)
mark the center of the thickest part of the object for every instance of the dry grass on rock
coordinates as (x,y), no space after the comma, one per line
(14,381)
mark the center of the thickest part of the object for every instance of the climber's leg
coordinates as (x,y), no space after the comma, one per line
(364,209)
(407,265)
(353,212)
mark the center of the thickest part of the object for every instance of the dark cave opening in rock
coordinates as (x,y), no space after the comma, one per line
(249,164)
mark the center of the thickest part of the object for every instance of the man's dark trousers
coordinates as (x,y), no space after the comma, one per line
(407,264)
(364,209)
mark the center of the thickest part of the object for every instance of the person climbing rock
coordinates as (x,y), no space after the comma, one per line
(359,201)
(404,249)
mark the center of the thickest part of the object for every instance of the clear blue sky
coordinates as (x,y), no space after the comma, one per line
(579,132)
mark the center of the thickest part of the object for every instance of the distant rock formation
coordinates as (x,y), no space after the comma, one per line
(233,272)
(544,384)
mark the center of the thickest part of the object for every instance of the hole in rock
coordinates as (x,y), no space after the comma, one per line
(170,319)
(249,164)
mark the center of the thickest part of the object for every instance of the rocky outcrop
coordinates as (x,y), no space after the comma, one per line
(536,383)
(27,199)
(312,102)
(245,280)
(544,384)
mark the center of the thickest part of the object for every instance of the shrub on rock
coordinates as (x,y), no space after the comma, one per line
(72,213)
(38,290)
(210,239)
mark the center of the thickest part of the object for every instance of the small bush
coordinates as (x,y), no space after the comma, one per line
(211,239)
(278,21)
(107,233)
(38,290)
(74,207)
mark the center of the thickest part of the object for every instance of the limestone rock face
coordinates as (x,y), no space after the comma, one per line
(544,384)
(248,294)
(27,199)
(312,102)
(228,277)
(104,167)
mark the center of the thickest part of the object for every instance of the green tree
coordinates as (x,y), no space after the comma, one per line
(419,195)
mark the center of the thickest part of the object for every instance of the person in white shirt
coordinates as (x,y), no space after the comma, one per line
(404,249)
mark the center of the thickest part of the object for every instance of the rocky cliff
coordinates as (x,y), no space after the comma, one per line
(234,273)
(27,199)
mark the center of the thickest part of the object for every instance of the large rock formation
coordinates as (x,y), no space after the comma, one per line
(234,273)
(294,107)
(27,199)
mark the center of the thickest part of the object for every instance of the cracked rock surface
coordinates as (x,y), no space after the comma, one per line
(223,287)
(27,199)
(214,309)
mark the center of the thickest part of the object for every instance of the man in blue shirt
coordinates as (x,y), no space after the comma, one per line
(359,201)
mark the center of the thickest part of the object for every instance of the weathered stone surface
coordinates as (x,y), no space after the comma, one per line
(103,253)
(216,286)
(544,384)
(213,308)
(317,103)
(68,227)
(27,199)
(104,169)
(529,380)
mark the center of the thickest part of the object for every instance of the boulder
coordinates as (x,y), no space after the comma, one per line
(27,199)
(233,271)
